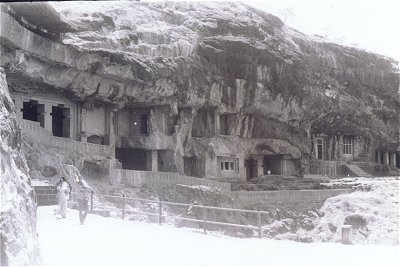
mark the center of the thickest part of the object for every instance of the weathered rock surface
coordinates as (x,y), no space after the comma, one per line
(226,56)
(19,244)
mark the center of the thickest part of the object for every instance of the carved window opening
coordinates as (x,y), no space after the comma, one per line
(139,122)
(229,164)
(347,145)
(60,118)
(33,111)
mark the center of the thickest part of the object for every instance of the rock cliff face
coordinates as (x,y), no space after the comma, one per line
(224,56)
(19,245)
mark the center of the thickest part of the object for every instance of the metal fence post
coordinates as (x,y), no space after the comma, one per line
(160,212)
(204,219)
(123,206)
(91,200)
(259,223)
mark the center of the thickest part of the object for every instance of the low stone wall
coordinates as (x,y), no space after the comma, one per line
(294,200)
(42,136)
(46,195)
(161,179)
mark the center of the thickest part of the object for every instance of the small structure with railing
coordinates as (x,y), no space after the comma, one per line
(323,167)
(45,193)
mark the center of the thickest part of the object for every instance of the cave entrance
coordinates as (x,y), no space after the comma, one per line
(166,161)
(143,124)
(60,118)
(193,166)
(33,111)
(139,119)
(320,148)
(272,163)
(398,160)
(134,159)
(251,168)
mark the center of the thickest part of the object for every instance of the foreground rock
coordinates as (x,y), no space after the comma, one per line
(372,211)
(19,244)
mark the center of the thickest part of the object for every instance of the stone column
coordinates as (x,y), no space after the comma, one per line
(212,166)
(315,148)
(111,131)
(379,157)
(154,161)
(82,121)
(112,126)
(260,167)
(340,147)
(386,158)
(393,159)
(283,167)
(18,106)
(242,168)
(48,123)
(217,124)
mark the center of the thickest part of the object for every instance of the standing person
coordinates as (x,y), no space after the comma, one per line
(58,187)
(63,189)
(83,195)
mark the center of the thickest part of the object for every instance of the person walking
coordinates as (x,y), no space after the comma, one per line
(63,192)
(58,187)
(83,195)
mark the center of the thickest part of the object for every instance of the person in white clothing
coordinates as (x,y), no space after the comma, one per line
(63,192)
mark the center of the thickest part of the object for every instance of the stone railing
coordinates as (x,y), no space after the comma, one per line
(44,137)
(362,163)
(323,167)
(151,141)
(160,179)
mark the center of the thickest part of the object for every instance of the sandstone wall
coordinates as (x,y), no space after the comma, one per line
(277,85)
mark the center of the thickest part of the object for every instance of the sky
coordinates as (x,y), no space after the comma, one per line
(372,25)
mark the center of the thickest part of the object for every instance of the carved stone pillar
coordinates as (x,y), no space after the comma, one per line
(386,158)
(18,106)
(260,167)
(48,122)
(154,161)
(379,157)
(393,159)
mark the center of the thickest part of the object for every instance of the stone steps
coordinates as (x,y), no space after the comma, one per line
(358,171)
